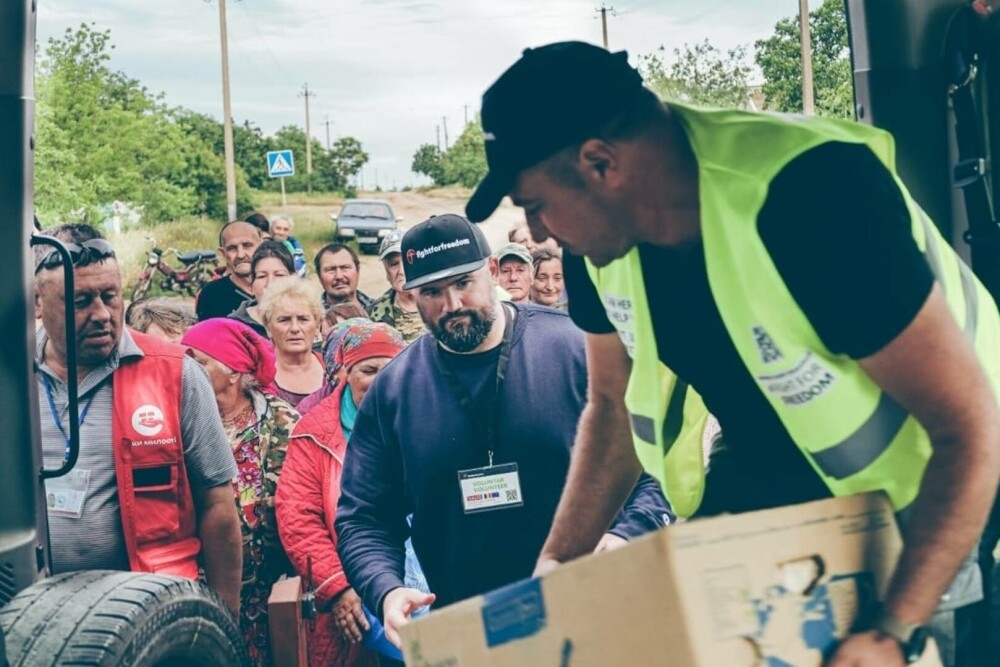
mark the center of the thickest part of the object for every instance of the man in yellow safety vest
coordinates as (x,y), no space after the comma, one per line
(776,268)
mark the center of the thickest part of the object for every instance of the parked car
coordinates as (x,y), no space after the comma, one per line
(367,220)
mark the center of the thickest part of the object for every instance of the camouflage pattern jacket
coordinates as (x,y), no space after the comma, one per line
(386,311)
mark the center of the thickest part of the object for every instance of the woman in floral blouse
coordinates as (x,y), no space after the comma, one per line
(239,362)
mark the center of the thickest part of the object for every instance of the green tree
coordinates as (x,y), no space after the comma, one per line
(103,137)
(250,148)
(336,166)
(427,160)
(780,60)
(465,162)
(699,74)
(123,144)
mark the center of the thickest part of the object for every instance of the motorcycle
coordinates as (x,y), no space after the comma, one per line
(199,268)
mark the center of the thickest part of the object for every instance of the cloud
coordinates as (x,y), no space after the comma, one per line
(384,71)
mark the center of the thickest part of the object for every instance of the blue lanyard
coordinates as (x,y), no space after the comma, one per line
(55,413)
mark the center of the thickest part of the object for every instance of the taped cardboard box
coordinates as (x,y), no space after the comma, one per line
(771,588)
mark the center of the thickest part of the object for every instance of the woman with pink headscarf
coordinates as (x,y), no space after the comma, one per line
(239,363)
(307,499)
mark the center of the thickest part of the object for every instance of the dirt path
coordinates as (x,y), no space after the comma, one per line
(414,207)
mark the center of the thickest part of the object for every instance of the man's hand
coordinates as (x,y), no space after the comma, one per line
(350,616)
(397,607)
(545,565)
(610,542)
(868,649)
(221,542)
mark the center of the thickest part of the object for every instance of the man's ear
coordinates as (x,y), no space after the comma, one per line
(38,302)
(494,264)
(599,162)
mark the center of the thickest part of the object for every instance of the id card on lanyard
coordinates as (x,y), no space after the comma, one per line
(492,487)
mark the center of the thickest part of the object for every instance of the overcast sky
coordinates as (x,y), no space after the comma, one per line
(384,71)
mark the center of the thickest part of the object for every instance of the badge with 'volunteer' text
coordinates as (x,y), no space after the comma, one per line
(491,488)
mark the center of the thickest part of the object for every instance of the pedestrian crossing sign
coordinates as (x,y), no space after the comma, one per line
(280,163)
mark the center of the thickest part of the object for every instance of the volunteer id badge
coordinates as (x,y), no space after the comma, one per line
(66,495)
(491,488)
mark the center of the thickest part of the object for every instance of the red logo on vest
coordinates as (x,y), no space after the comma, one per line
(147,420)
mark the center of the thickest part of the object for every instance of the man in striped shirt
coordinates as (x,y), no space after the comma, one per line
(84,512)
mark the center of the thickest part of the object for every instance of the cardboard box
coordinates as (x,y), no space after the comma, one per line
(288,629)
(770,588)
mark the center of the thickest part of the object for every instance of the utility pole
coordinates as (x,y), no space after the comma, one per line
(328,132)
(437,131)
(808,101)
(376,178)
(309,153)
(603,11)
(444,124)
(466,107)
(227,118)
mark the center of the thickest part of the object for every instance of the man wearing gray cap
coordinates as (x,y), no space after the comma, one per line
(469,429)
(397,307)
(515,272)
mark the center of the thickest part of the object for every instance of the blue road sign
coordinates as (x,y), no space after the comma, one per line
(280,163)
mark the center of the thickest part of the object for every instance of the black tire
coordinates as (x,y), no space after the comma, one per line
(111,619)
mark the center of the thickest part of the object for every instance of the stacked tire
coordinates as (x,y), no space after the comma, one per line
(113,619)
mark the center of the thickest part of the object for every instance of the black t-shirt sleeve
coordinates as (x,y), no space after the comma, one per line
(837,228)
(585,305)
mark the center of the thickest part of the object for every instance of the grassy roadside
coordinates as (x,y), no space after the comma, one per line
(310,213)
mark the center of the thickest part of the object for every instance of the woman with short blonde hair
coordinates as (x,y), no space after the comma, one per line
(291,310)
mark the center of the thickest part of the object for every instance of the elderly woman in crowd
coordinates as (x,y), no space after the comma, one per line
(239,363)
(307,499)
(547,283)
(271,260)
(160,317)
(292,311)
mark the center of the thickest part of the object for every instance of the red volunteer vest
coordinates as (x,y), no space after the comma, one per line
(158,513)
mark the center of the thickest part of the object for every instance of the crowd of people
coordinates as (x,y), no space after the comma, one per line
(414,449)
(275,464)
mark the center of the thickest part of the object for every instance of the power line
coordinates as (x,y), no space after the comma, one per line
(263,40)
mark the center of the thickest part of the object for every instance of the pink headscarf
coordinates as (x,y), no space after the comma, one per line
(234,344)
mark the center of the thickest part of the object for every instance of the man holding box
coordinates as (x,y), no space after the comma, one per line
(779,267)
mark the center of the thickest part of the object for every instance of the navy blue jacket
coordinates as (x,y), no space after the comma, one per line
(411,438)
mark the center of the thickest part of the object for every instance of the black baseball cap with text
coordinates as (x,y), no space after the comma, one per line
(553,97)
(443,246)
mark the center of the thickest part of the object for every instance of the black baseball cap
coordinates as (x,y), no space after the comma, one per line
(553,97)
(442,246)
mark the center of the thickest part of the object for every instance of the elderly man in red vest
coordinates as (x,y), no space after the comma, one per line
(151,490)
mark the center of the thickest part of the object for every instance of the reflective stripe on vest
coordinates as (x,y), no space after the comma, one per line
(667,417)
(858,451)
(855,435)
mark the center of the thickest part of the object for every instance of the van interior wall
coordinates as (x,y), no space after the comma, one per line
(900,85)
(23,519)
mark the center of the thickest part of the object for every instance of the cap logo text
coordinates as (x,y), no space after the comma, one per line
(448,245)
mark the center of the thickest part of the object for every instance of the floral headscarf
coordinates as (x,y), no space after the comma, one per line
(366,340)
(331,346)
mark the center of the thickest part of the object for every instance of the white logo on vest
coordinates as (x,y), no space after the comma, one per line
(807,381)
(147,420)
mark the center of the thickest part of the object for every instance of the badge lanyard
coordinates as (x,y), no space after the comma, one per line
(55,413)
(465,399)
